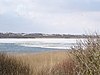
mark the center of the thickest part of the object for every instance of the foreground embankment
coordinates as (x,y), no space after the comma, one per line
(36,63)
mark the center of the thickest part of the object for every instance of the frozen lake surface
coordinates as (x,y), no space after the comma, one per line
(35,45)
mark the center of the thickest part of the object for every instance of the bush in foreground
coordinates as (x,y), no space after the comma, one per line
(87,56)
(84,60)
(10,66)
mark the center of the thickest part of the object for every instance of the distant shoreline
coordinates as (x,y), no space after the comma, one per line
(41,35)
(40,38)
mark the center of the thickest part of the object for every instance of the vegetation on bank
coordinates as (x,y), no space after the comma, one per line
(87,56)
(84,59)
(11,66)
(41,35)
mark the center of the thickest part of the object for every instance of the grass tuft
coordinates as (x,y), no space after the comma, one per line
(11,66)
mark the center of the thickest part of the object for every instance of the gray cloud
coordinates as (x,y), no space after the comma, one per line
(49,16)
(11,22)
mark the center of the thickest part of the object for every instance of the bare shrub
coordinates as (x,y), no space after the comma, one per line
(85,59)
(87,56)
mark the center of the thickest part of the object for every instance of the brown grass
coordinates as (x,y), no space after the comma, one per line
(42,63)
(66,67)
(11,66)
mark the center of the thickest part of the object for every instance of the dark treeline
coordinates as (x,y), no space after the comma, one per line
(40,35)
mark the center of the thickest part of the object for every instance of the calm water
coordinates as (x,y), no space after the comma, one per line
(35,45)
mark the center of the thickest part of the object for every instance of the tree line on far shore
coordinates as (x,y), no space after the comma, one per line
(41,35)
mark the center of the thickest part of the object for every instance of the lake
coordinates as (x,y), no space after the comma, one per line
(35,45)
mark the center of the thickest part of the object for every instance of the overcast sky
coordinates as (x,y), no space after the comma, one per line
(50,16)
